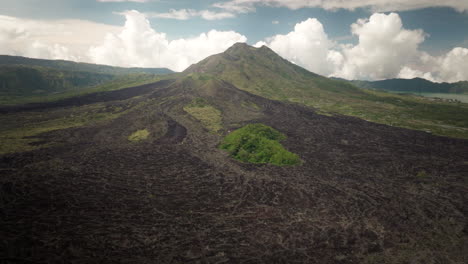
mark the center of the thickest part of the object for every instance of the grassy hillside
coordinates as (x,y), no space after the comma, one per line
(209,116)
(33,80)
(263,72)
(25,80)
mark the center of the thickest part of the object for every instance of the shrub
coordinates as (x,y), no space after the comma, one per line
(209,116)
(258,143)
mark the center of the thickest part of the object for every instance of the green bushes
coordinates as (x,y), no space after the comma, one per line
(209,116)
(258,143)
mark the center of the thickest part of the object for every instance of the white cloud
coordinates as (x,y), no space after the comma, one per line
(308,45)
(185,14)
(139,45)
(453,66)
(60,39)
(244,6)
(384,48)
(449,67)
(237,6)
(275,22)
(409,73)
(209,15)
(135,44)
(182,14)
(120,1)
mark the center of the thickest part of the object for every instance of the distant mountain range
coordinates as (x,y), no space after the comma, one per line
(22,77)
(64,65)
(416,85)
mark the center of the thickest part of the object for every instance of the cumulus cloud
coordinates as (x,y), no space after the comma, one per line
(184,14)
(244,6)
(139,45)
(409,73)
(450,67)
(308,45)
(136,44)
(385,49)
(384,46)
(453,65)
(61,39)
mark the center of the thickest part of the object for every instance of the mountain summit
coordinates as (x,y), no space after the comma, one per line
(249,60)
(263,72)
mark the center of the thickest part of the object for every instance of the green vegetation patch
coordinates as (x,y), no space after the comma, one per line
(21,132)
(258,143)
(139,135)
(209,116)
(22,138)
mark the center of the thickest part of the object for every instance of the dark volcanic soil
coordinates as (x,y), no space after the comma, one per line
(365,193)
(175,133)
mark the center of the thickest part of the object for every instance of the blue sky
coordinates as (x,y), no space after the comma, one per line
(447,27)
(436,30)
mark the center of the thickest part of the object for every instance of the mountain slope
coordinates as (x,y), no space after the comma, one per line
(26,80)
(31,80)
(262,72)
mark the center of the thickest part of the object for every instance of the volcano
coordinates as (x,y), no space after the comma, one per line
(137,176)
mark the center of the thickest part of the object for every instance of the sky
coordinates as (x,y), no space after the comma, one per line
(353,39)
